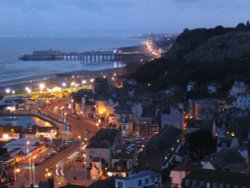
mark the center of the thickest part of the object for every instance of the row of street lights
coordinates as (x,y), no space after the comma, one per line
(42,87)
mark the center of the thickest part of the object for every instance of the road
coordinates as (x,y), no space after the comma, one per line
(79,127)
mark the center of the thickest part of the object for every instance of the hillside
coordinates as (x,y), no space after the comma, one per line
(205,55)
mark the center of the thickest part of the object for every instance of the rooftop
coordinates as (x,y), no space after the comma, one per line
(5,158)
(122,155)
(226,157)
(104,138)
(219,176)
(141,174)
(107,183)
(73,186)
(159,144)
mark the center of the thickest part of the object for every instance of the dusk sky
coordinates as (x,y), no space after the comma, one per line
(121,17)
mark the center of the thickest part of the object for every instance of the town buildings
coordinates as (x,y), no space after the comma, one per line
(160,150)
(172,117)
(237,88)
(142,179)
(100,150)
(243,101)
(215,178)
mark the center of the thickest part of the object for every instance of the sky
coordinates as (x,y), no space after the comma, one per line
(117,17)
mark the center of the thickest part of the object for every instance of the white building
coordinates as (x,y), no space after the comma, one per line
(243,101)
(175,117)
(137,109)
(190,86)
(238,88)
(140,180)
(212,88)
(122,165)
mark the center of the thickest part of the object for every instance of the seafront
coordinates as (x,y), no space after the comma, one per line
(54,79)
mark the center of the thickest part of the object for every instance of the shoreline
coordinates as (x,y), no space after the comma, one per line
(45,77)
(56,78)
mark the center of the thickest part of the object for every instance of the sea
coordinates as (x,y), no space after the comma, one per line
(11,48)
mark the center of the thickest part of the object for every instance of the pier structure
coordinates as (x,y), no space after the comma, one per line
(88,56)
(85,57)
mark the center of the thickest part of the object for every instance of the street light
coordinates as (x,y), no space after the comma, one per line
(64,84)
(73,83)
(28,90)
(29,161)
(80,140)
(41,86)
(49,177)
(16,171)
(7,90)
(49,174)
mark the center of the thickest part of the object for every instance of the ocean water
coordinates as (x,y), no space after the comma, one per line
(12,48)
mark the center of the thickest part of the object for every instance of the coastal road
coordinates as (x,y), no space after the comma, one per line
(79,127)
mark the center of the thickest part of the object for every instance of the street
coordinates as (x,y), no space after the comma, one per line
(80,128)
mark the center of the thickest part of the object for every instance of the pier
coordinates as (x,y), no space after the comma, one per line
(85,57)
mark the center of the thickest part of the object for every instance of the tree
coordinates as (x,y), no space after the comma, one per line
(185,30)
(240,26)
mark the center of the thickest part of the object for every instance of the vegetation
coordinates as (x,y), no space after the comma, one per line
(173,69)
(191,39)
(77,97)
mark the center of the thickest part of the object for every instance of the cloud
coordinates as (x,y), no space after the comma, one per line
(109,16)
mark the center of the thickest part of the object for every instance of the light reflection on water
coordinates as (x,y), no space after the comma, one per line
(23,121)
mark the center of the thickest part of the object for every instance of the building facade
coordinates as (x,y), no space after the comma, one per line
(140,180)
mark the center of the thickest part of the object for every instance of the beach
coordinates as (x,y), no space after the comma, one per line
(55,79)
